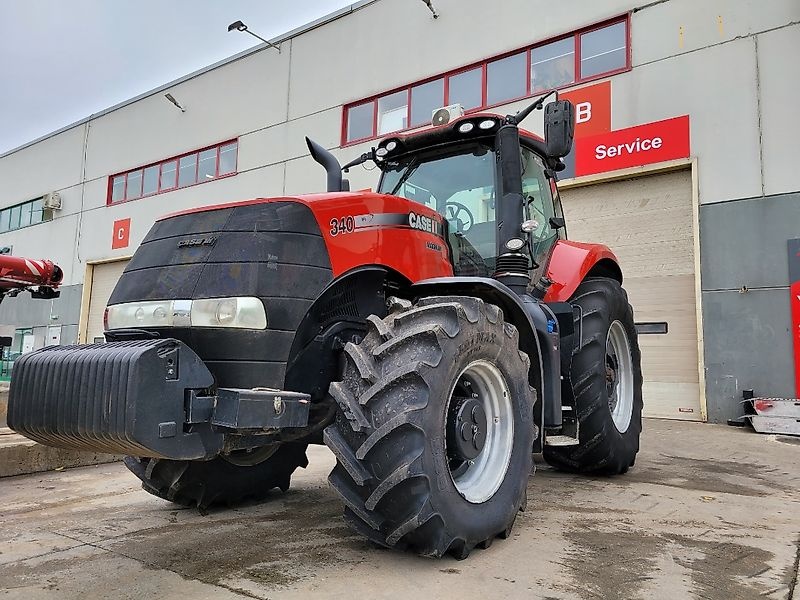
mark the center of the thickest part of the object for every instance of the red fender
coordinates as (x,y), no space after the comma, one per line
(571,262)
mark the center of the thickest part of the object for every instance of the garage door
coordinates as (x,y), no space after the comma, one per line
(648,223)
(104,278)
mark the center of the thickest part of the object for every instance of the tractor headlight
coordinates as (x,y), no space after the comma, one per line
(139,314)
(466,127)
(244,313)
(240,313)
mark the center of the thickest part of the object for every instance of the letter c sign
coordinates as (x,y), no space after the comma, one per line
(122,233)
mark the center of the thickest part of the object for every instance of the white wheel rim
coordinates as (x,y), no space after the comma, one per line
(478,480)
(619,376)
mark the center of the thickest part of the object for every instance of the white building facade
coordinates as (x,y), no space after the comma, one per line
(683,165)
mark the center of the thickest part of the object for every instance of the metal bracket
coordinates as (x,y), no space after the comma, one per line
(249,411)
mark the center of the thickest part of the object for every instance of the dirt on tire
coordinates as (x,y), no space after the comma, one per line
(392,468)
(603,449)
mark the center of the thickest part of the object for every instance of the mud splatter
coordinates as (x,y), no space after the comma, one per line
(610,564)
(724,569)
(716,476)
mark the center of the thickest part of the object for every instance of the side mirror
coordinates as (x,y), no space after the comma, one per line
(559,128)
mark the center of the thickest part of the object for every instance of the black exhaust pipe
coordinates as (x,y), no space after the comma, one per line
(332,166)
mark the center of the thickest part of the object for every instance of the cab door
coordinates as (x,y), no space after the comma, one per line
(540,207)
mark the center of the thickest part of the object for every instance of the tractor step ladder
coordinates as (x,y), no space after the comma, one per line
(569,431)
(560,440)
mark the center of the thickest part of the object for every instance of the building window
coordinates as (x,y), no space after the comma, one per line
(182,171)
(361,121)
(583,55)
(227,159)
(118,188)
(207,164)
(604,50)
(187,170)
(133,188)
(506,79)
(466,88)
(393,112)
(425,99)
(150,180)
(22,215)
(169,175)
(553,65)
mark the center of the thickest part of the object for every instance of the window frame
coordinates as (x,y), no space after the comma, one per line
(46,214)
(176,159)
(483,66)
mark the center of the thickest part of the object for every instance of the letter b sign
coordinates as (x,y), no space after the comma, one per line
(583,112)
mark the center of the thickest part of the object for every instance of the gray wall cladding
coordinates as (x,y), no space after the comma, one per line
(24,311)
(748,342)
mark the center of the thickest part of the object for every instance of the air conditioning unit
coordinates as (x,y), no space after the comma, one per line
(442,116)
(52,201)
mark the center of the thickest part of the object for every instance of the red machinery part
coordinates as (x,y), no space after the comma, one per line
(17,272)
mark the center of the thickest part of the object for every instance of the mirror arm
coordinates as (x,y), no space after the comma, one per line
(536,105)
(361,160)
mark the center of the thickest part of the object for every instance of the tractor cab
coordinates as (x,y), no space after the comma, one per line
(459,180)
(493,184)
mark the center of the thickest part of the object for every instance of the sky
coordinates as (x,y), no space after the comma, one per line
(62,60)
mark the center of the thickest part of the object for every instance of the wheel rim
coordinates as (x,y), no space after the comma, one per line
(619,376)
(480,431)
(251,457)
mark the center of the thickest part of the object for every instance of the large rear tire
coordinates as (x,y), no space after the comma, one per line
(433,439)
(225,480)
(606,376)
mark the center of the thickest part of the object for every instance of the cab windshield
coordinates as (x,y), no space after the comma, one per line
(460,185)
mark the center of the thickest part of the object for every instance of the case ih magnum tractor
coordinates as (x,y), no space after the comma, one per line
(433,334)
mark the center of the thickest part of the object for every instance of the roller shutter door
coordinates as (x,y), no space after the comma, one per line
(104,278)
(648,222)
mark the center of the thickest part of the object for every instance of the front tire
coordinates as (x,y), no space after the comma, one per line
(224,480)
(433,439)
(606,376)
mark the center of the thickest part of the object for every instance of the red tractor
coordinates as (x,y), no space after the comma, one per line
(433,334)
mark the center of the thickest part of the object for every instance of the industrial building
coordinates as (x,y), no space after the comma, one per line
(684,161)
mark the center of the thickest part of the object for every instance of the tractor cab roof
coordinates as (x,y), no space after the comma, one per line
(476,126)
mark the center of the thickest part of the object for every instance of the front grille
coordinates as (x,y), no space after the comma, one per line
(273,251)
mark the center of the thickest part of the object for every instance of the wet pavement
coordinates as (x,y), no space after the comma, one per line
(707,512)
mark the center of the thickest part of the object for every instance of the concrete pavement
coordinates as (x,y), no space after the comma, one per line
(707,512)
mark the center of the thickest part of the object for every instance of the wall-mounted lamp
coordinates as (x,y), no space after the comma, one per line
(239,26)
(171,98)
(429,3)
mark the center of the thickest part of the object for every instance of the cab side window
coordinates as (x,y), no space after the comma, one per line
(539,205)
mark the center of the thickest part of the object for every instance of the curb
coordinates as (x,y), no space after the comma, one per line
(21,456)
